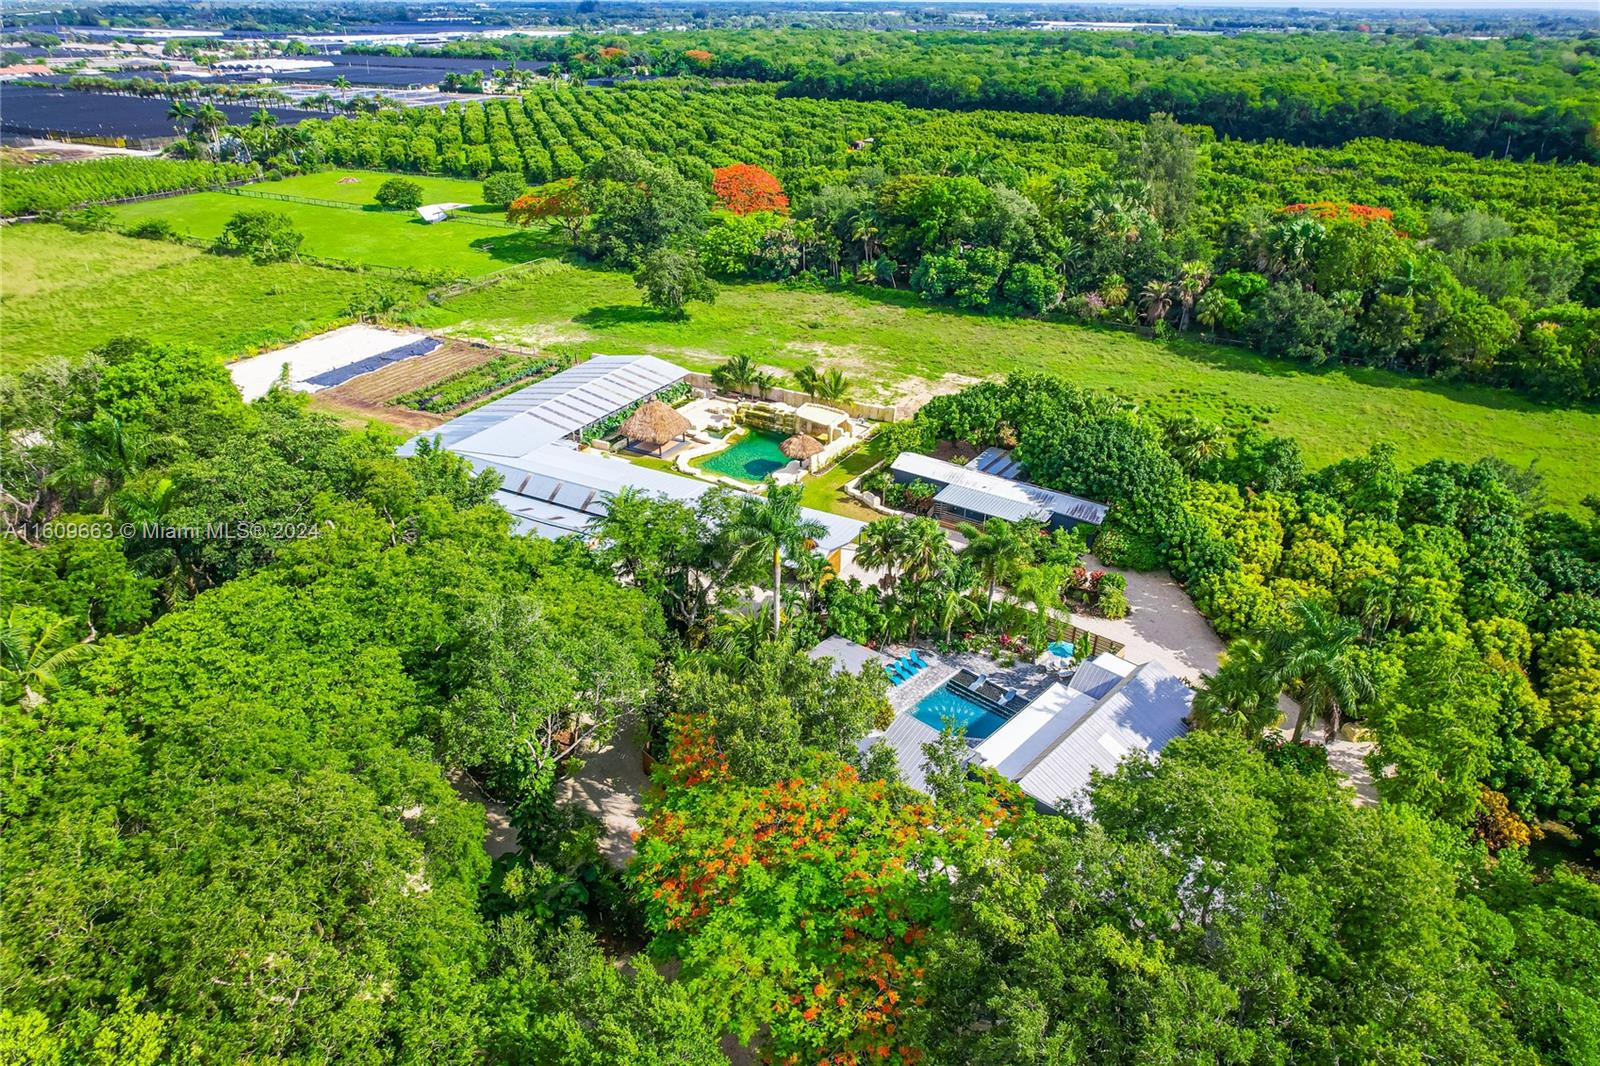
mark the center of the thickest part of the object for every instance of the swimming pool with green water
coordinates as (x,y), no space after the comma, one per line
(750,458)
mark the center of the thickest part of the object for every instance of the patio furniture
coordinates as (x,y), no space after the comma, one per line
(916,657)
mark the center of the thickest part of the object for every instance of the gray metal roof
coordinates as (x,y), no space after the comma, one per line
(986,503)
(905,737)
(558,489)
(557,406)
(1100,675)
(984,493)
(998,461)
(1144,712)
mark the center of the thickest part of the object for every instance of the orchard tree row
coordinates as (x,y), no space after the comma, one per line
(1521,97)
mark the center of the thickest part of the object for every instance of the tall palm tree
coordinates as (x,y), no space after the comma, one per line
(1192,281)
(773,525)
(263,119)
(208,123)
(955,601)
(33,661)
(997,551)
(1316,653)
(735,374)
(341,83)
(865,230)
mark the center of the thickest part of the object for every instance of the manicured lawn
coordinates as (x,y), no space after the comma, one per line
(381,238)
(326,185)
(825,491)
(891,345)
(63,293)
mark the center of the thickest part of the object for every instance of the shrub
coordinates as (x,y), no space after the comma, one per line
(502,187)
(398,194)
(1113,603)
(152,229)
(265,236)
(1117,546)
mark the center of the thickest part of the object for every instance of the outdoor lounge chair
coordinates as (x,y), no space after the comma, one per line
(894,678)
(916,657)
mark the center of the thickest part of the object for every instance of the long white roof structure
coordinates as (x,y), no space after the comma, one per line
(998,497)
(557,406)
(551,487)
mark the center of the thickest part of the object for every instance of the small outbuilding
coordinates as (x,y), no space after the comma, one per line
(801,446)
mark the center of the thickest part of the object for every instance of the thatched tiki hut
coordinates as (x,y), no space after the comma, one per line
(801,446)
(655,423)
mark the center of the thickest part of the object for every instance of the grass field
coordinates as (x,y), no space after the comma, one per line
(63,293)
(381,238)
(892,345)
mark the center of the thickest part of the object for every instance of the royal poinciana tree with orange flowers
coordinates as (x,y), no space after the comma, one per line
(745,189)
(801,907)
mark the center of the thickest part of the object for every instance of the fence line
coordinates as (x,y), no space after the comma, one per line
(285,197)
(466,285)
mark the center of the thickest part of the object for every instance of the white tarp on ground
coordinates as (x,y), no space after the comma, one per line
(318,356)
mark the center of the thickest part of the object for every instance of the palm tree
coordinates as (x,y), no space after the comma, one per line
(955,601)
(181,114)
(1317,655)
(1041,586)
(879,547)
(736,374)
(1193,441)
(341,83)
(865,230)
(833,386)
(1242,696)
(997,551)
(1155,300)
(32,663)
(773,525)
(263,119)
(208,122)
(1192,281)
(806,379)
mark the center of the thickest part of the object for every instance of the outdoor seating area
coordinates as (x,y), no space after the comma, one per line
(906,667)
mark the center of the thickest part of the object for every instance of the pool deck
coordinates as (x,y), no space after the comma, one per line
(906,735)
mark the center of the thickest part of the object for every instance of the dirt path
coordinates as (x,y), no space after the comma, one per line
(611,787)
(501,837)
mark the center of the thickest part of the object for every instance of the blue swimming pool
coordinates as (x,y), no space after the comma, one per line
(941,704)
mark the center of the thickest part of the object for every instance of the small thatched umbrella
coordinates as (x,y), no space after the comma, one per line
(801,446)
(655,423)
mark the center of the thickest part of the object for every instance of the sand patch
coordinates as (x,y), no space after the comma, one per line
(912,392)
(531,338)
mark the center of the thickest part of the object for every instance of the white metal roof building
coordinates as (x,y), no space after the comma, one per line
(970,494)
(547,484)
(1109,708)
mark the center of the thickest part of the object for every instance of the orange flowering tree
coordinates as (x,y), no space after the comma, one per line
(1337,211)
(745,189)
(698,56)
(802,906)
(560,203)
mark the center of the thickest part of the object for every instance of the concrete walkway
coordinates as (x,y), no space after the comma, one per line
(610,787)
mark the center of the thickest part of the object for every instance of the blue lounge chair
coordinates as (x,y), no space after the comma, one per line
(894,678)
(910,666)
(906,670)
(916,657)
